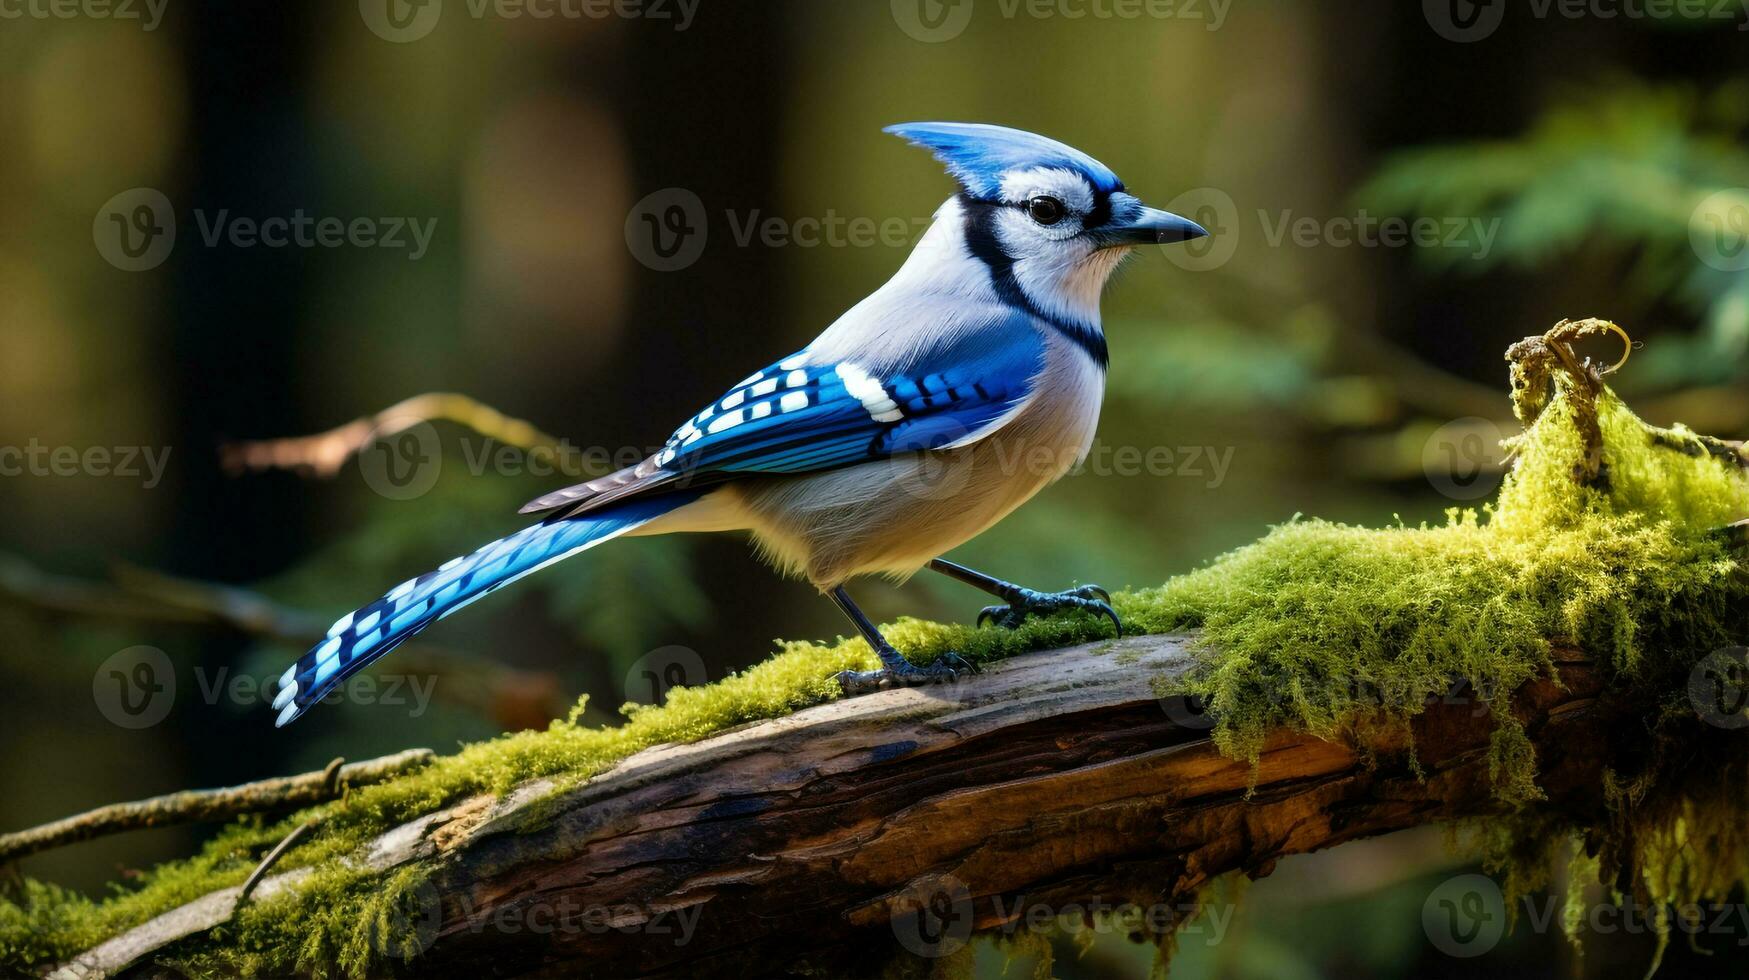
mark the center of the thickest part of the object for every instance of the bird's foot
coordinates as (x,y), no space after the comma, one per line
(899,672)
(1028,602)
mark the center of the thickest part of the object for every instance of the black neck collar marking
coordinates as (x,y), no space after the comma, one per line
(981,241)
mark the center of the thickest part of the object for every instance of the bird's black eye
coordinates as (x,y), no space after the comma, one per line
(1046,210)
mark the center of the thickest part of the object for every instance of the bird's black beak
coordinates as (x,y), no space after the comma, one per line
(1150,226)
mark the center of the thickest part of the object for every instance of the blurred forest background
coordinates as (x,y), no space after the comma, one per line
(1293,363)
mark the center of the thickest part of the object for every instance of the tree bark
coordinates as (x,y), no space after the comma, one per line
(845,833)
(1059,779)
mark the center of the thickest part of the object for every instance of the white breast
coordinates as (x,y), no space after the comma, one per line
(892,516)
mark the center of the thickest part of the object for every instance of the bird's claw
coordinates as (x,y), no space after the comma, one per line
(946,668)
(1028,602)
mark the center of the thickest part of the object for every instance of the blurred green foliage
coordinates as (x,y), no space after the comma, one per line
(1630,167)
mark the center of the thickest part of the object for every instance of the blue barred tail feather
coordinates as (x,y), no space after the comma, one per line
(360,637)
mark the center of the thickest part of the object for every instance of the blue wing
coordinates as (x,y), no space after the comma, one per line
(799,416)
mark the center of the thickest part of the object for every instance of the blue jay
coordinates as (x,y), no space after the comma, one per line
(923,416)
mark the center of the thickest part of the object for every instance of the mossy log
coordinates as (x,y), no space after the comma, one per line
(814,840)
(830,836)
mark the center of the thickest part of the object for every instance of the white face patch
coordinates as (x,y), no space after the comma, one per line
(1020,186)
(1021,236)
(1057,266)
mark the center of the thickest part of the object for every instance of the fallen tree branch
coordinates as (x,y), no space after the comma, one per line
(811,840)
(199,805)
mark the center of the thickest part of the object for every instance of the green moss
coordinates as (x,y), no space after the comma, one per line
(1313,627)
(328,925)
(1318,621)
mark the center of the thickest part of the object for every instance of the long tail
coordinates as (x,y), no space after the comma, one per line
(360,637)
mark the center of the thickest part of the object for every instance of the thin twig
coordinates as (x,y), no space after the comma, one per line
(324,453)
(198,805)
(29,585)
(298,833)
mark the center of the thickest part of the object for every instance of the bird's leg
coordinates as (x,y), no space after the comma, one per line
(895,670)
(1023,602)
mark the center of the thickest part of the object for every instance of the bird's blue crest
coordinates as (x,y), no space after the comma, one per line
(978,154)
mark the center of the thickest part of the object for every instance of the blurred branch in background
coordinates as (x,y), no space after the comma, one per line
(325,452)
(510,697)
(618,602)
